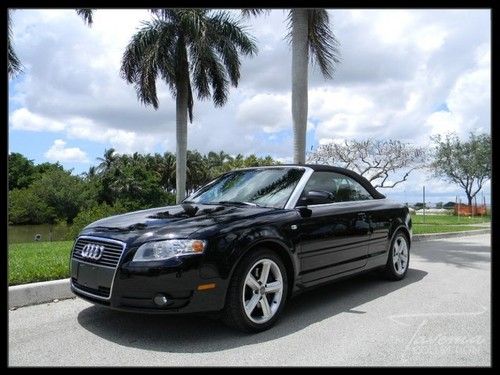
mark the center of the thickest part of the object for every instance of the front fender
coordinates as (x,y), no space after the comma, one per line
(249,238)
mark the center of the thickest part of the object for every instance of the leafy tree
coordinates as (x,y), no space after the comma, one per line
(190,49)
(60,191)
(439,205)
(465,163)
(137,187)
(22,171)
(311,38)
(25,207)
(47,167)
(449,205)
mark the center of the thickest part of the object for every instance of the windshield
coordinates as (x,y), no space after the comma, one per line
(267,187)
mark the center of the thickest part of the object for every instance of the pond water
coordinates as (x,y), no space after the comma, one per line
(27,233)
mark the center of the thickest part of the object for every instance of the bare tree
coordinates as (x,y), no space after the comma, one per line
(385,163)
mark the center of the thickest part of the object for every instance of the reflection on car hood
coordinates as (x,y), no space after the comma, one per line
(180,220)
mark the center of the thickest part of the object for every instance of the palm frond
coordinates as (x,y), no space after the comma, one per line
(248,12)
(219,82)
(231,60)
(223,25)
(323,46)
(86,14)
(14,65)
(140,62)
(322,42)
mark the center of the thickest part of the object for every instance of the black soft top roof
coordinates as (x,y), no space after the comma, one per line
(328,168)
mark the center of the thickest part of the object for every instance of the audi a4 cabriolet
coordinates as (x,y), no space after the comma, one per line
(243,245)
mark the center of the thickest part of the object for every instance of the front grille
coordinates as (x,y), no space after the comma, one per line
(110,256)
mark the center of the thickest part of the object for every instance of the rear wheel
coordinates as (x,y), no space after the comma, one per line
(257,292)
(399,257)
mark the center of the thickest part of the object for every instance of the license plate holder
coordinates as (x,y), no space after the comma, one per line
(93,276)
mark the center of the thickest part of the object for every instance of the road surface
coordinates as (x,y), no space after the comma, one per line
(439,315)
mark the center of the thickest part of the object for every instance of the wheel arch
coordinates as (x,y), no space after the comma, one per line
(281,250)
(401,228)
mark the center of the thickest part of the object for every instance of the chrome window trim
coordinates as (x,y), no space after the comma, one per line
(123,244)
(294,197)
(350,202)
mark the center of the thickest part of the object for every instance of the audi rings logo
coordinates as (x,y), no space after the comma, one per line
(92,251)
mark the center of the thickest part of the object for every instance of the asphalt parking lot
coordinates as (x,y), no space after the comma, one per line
(438,316)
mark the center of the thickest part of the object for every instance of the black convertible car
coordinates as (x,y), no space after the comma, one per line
(243,244)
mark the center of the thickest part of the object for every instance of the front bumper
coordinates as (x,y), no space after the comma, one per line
(133,288)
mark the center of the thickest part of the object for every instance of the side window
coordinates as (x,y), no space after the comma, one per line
(322,181)
(350,190)
(342,187)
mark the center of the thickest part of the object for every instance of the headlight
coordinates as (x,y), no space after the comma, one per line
(161,250)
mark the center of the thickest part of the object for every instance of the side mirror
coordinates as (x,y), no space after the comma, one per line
(316,197)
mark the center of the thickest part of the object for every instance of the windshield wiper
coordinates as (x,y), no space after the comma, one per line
(239,203)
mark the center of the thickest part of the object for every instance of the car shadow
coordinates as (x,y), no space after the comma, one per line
(198,334)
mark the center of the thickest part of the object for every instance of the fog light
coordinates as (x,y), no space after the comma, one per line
(160,299)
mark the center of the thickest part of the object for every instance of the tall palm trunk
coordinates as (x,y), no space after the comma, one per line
(181,118)
(300,57)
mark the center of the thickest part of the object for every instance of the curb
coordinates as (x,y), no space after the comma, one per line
(36,293)
(435,236)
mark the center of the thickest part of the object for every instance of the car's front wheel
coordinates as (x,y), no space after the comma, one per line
(257,292)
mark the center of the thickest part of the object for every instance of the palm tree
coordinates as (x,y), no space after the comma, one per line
(190,49)
(311,37)
(108,160)
(14,65)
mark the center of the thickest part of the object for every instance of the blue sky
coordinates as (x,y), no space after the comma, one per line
(404,74)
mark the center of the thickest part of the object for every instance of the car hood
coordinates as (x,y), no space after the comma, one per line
(178,221)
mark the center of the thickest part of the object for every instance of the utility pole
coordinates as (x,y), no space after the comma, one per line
(423,191)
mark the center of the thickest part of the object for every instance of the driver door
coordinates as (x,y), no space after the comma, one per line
(334,232)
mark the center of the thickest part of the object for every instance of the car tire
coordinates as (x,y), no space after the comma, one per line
(398,259)
(242,291)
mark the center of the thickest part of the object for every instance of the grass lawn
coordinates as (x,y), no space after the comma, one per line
(449,219)
(445,223)
(422,229)
(38,261)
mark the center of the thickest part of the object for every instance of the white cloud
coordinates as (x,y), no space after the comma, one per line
(392,26)
(23,119)
(58,152)
(269,112)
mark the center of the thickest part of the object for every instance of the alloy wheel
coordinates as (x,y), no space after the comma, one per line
(400,254)
(262,291)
